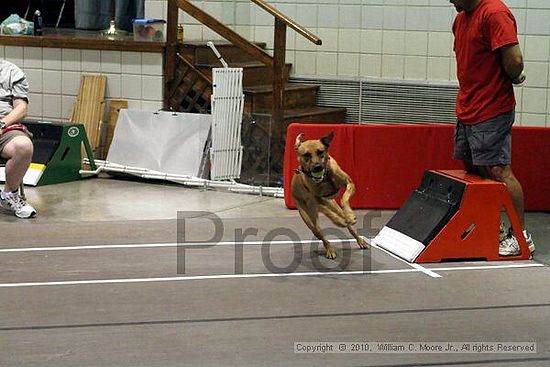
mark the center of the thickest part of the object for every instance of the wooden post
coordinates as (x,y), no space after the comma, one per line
(171,49)
(277,137)
(279,80)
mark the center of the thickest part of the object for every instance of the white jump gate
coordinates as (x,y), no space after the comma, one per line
(227,114)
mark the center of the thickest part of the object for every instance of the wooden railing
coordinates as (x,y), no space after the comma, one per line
(277,62)
(289,22)
(279,52)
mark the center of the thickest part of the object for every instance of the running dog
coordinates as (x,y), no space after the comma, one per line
(316,183)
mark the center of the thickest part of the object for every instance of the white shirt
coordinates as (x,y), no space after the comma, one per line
(13,84)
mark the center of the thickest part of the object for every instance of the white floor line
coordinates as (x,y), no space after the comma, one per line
(159,245)
(426,271)
(429,272)
(86,247)
(203,277)
(490,267)
(260,275)
(207,244)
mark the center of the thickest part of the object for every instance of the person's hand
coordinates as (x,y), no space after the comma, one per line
(520,78)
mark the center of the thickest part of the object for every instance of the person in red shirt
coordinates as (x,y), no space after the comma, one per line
(489,61)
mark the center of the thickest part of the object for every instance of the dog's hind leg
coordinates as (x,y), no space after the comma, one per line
(310,217)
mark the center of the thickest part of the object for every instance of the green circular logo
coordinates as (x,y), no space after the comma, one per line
(73,131)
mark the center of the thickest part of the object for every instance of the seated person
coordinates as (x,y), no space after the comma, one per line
(15,141)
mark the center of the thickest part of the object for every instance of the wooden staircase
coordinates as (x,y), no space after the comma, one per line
(263,141)
(271,101)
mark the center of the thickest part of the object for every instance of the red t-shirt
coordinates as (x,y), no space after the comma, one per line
(485,89)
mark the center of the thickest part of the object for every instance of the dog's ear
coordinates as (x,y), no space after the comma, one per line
(326,140)
(299,140)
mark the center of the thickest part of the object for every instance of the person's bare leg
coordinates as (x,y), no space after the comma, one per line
(504,174)
(18,153)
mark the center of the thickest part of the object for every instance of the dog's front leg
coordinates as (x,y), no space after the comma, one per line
(310,216)
(351,219)
(360,240)
(337,215)
(332,210)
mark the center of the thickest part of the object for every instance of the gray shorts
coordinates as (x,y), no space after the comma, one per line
(9,135)
(488,143)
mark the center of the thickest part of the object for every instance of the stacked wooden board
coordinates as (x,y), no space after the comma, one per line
(89,106)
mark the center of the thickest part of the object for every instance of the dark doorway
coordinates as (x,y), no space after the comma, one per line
(50,9)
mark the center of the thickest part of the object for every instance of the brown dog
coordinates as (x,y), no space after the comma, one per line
(315,185)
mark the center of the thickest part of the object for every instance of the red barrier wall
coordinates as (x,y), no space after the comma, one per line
(386,161)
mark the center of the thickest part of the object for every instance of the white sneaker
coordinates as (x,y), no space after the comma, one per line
(509,246)
(13,202)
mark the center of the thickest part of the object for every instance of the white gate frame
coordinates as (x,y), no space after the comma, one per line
(227,114)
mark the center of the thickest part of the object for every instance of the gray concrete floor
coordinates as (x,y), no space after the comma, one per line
(96,280)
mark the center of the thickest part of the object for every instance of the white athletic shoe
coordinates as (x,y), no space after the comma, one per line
(13,202)
(509,246)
